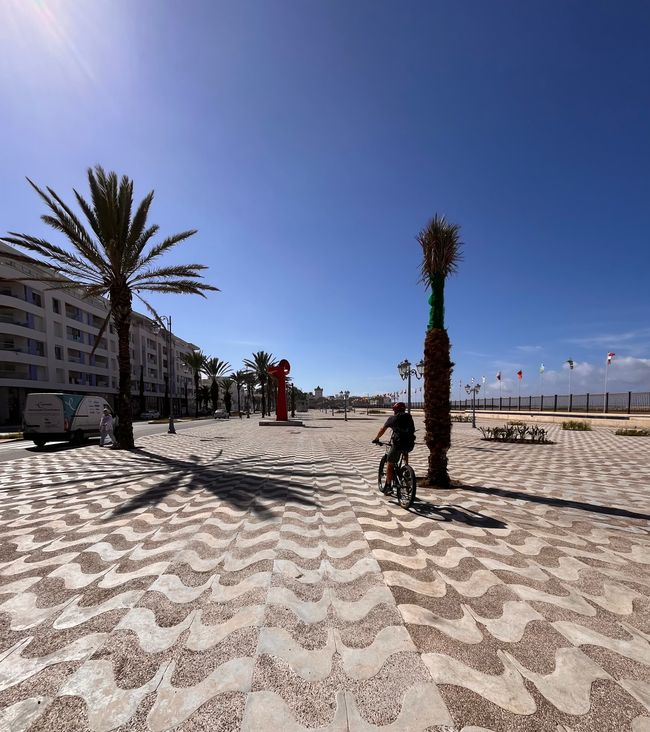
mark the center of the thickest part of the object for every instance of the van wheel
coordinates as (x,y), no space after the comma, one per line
(77,437)
(40,442)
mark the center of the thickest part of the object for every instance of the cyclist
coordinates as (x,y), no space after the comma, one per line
(403,440)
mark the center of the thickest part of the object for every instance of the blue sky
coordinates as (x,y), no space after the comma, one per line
(309,142)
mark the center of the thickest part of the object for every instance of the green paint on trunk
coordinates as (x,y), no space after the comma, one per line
(437,302)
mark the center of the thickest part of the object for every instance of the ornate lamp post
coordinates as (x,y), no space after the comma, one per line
(473,389)
(166,325)
(405,371)
(344,395)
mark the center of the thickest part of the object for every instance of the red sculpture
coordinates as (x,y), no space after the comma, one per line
(280,371)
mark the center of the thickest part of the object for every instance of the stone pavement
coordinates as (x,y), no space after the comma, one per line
(235,577)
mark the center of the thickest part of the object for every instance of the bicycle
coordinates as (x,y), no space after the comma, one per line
(403,477)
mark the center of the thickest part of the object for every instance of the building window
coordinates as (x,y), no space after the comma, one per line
(37,299)
(58,353)
(56,305)
(58,329)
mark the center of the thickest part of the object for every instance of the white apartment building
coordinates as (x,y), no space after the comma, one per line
(46,336)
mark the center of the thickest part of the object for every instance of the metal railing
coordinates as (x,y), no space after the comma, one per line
(625,402)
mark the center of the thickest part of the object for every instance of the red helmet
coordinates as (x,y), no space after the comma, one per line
(399,407)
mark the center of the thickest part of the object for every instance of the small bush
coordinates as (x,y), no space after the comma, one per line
(633,432)
(516,432)
(460,418)
(579,425)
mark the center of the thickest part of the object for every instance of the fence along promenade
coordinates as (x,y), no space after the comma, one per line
(626,402)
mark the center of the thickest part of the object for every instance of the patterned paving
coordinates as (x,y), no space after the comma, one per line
(236,577)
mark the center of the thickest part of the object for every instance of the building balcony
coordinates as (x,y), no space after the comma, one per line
(11,370)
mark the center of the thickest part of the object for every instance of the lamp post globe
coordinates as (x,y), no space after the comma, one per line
(405,371)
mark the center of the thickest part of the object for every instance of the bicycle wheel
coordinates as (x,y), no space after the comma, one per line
(406,487)
(381,476)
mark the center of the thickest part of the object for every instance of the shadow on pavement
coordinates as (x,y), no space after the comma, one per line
(558,502)
(61,446)
(228,481)
(456,514)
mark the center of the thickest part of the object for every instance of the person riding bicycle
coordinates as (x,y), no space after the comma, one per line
(403,440)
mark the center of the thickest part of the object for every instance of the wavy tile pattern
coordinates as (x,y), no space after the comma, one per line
(233,577)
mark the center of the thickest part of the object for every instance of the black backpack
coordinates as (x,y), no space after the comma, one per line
(404,432)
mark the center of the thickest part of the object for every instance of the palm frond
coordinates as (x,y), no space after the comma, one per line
(159,249)
(181,287)
(176,270)
(61,259)
(140,221)
(441,249)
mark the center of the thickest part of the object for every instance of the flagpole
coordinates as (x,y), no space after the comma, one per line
(605,392)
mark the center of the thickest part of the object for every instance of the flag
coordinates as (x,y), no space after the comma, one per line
(570,362)
(498,376)
(610,356)
(520,374)
(541,368)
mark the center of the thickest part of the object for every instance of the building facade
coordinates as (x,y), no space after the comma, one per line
(46,339)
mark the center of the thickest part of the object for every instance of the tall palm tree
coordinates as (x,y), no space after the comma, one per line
(114,258)
(441,254)
(214,368)
(195,361)
(204,391)
(239,379)
(227,399)
(259,365)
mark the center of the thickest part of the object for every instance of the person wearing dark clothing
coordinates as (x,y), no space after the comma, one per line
(401,423)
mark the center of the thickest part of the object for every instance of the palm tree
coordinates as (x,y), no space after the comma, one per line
(441,254)
(251,381)
(195,361)
(259,365)
(227,399)
(205,396)
(215,367)
(239,379)
(109,260)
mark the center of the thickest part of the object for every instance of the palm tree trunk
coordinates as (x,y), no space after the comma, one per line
(121,305)
(196,394)
(263,401)
(437,417)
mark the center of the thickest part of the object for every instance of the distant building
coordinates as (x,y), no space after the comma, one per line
(318,392)
(46,337)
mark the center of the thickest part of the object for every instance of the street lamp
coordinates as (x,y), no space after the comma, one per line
(344,395)
(166,325)
(405,371)
(473,390)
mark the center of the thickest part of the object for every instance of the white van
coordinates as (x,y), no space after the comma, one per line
(53,417)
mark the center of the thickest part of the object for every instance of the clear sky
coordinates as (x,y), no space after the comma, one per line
(310,141)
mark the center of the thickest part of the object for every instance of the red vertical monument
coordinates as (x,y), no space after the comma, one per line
(280,371)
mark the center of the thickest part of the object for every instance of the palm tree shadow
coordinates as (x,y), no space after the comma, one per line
(458,514)
(243,489)
(555,501)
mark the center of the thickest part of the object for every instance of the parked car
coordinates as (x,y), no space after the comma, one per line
(150,414)
(54,417)
(221,414)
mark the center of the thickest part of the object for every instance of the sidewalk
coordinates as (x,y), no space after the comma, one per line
(233,577)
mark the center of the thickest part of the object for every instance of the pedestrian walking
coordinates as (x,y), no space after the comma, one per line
(106,428)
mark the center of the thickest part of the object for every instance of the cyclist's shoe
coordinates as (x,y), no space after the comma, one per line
(387,490)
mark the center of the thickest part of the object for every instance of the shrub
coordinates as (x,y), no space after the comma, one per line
(516,432)
(579,425)
(460,418)
(633,432)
